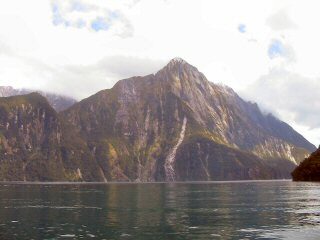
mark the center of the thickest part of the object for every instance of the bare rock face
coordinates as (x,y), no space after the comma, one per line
(58,102)
(174,125)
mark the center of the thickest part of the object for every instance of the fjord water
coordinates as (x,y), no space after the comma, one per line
(206,210)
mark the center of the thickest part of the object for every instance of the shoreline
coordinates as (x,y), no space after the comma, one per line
(133,183)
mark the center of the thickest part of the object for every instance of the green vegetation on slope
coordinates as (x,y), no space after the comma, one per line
(309,169)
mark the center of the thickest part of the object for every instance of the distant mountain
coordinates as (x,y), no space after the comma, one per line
(309,169)
(174,125)
(58,102)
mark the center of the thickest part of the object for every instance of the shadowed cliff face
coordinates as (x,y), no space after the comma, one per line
(35,145)
(174,125)
(29,129)
(309,169)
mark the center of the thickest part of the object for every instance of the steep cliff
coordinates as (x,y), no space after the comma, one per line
(176,125)
(36,146)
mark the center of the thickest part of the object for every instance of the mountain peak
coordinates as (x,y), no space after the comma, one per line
(177,60)
(178,64)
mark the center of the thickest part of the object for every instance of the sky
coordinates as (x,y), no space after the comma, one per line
(267,51)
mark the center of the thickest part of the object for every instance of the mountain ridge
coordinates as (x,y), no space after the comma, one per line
(173,125)
(177,89)
(58,102)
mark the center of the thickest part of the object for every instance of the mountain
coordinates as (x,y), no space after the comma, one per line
(58,102)
(309,169)
(35,145)
(174,125)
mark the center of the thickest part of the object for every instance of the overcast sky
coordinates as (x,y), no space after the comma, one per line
(268,51)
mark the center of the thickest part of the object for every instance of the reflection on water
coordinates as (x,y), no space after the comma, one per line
(216,210)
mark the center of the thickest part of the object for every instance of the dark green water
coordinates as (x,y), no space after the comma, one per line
(216,210)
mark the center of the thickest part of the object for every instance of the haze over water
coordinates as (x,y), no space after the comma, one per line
(212,210)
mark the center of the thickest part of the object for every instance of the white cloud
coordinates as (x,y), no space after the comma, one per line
(290,96)
(289,92)
(84,80)
(58,49)
(280,21)
(80,14)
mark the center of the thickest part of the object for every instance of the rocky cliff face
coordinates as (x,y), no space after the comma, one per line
(36,146)
(174,125)
(58,102)
(309,169)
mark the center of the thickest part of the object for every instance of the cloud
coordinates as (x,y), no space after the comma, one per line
(84,80)
(79,14)
(280,21)
(289,95)
(5,49)
(89,79)
(128,66)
